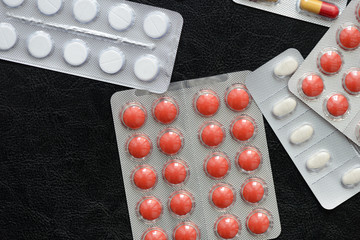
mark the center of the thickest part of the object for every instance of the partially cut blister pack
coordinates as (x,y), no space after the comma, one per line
(314,11)
(328,161)
(195,161)
(329,79)
(119,42)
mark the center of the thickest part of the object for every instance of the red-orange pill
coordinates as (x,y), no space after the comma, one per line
(144,177)
(258,222)
(351,81)
(222,196)
(227,227)
(349,37)
(242,128)
(133,115)
(330,62)
(181,203)
(212,134)
(149,208)
(165,110)
(175,172)
(139,146)
(249,159)
(186,231)
(170,141)
(237,98)
(253,190)
(312,85)
(206,103)
(155,234)
(217,165)
(337,105)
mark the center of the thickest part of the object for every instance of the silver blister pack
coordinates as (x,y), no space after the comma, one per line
(114,41)
(325,158)
(227,166)
(333,67)
(305,10)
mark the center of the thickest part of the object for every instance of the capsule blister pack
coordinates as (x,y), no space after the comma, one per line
(329,79)
(327,160)
(206,141)
(119,42)
(313,11)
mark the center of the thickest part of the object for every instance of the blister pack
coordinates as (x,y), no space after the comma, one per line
(328,161)
(204,144)
(329,79)
(119,42)
(313,11)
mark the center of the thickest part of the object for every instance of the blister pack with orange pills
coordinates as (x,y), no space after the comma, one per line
(313,11)
(195,162)
(329,79)
(328,161)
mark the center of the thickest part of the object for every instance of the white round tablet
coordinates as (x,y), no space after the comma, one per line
(8,36)
(76,52)
(85,10)
(121,17)
(111,60)
(147,68)
(156,24)
(40,44)
(13,3)
(49,7)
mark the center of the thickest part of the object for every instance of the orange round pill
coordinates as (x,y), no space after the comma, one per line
(139,146)
(330,62)
(253,190)
(352,82)
(337,105)
(181,203)
(227,227)
(144,177)
(312,85)
(165,110)
(222,196)
(133,116)
(170,141)
(242,129)
(249,159)
(186,231)
(217,166)
(150,208)
(212,134)
(237,98)
(207,103)
(175,172)
(258,222)
(155,234)
(349,37)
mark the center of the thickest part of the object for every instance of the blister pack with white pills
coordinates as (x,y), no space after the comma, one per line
(328,161)
(195,161)
(329,80)
(118,42)
(313,11)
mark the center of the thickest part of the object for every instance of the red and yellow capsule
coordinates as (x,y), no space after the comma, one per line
(320,8)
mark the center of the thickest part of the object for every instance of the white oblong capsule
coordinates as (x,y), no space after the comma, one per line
(351,177)
(318,160)
(284,107)
(286,67)
(302,134)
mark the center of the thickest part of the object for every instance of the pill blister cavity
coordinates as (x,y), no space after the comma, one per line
(253,190)
(181,204)
(312,86)
(121,17)
(13,3)
(351,81)
(222,196)
(302,134)
(186,230)
(243,128)
(139,146)
(144,177)
(156,25)
(8,36)
(85,11)
(259,222)
(175,172)
(76,52)
(284,107)
(351,178)
(318,161)
(40,44)
(147,68)
(237,98)
(154,233)
(286,67)
(337,105)
(133,115)
(248,159)
(348,37)
(206,103)
(321,8)
(227,227)
(49,7)
(330,61)
(165,110)
(211,134)
(217,165)
(170,141)
(149,209)
(111,60)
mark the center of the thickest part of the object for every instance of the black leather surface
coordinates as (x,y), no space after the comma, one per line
(60,175)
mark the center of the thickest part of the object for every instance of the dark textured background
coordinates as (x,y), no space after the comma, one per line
(60,175)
